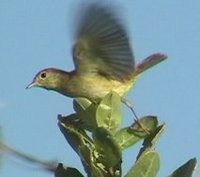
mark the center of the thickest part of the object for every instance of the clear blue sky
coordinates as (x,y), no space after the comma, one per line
(37,34)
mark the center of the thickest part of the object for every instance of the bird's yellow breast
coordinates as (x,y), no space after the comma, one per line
(97,87)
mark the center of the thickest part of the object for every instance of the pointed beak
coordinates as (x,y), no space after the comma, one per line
(32,84)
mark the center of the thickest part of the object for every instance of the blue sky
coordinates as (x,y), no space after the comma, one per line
(38,34)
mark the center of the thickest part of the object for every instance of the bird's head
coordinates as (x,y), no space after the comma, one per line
(49,79)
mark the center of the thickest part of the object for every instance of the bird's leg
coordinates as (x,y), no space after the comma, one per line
(136,119)
(130,106)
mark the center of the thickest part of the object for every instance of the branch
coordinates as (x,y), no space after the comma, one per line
(47,165)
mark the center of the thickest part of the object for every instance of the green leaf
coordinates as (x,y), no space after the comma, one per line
(67,172)
(147,165)
(129,136)
(84,103)
(186,170)
(126,137)
(86,111)
(108,152)
(109,112)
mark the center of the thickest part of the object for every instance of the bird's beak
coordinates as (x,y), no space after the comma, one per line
(32,84)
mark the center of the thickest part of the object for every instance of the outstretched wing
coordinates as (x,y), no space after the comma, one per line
(102,45)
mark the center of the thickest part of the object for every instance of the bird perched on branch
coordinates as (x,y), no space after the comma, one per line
(102,56)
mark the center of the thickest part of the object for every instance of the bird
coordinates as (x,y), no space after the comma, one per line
(103,58)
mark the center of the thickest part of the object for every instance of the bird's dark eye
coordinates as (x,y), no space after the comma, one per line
(43,75)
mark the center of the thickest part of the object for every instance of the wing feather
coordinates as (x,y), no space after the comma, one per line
(102,44)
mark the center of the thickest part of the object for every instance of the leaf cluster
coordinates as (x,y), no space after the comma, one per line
(94,132)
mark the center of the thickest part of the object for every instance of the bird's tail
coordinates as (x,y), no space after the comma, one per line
(149,62)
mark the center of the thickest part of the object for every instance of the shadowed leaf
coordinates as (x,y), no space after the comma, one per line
(86,112)
(108,151)
(67,172)
(129,136)
(186,170)
(150,141)
(81,143)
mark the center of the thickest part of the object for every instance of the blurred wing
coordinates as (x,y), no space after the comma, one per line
(102,45)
